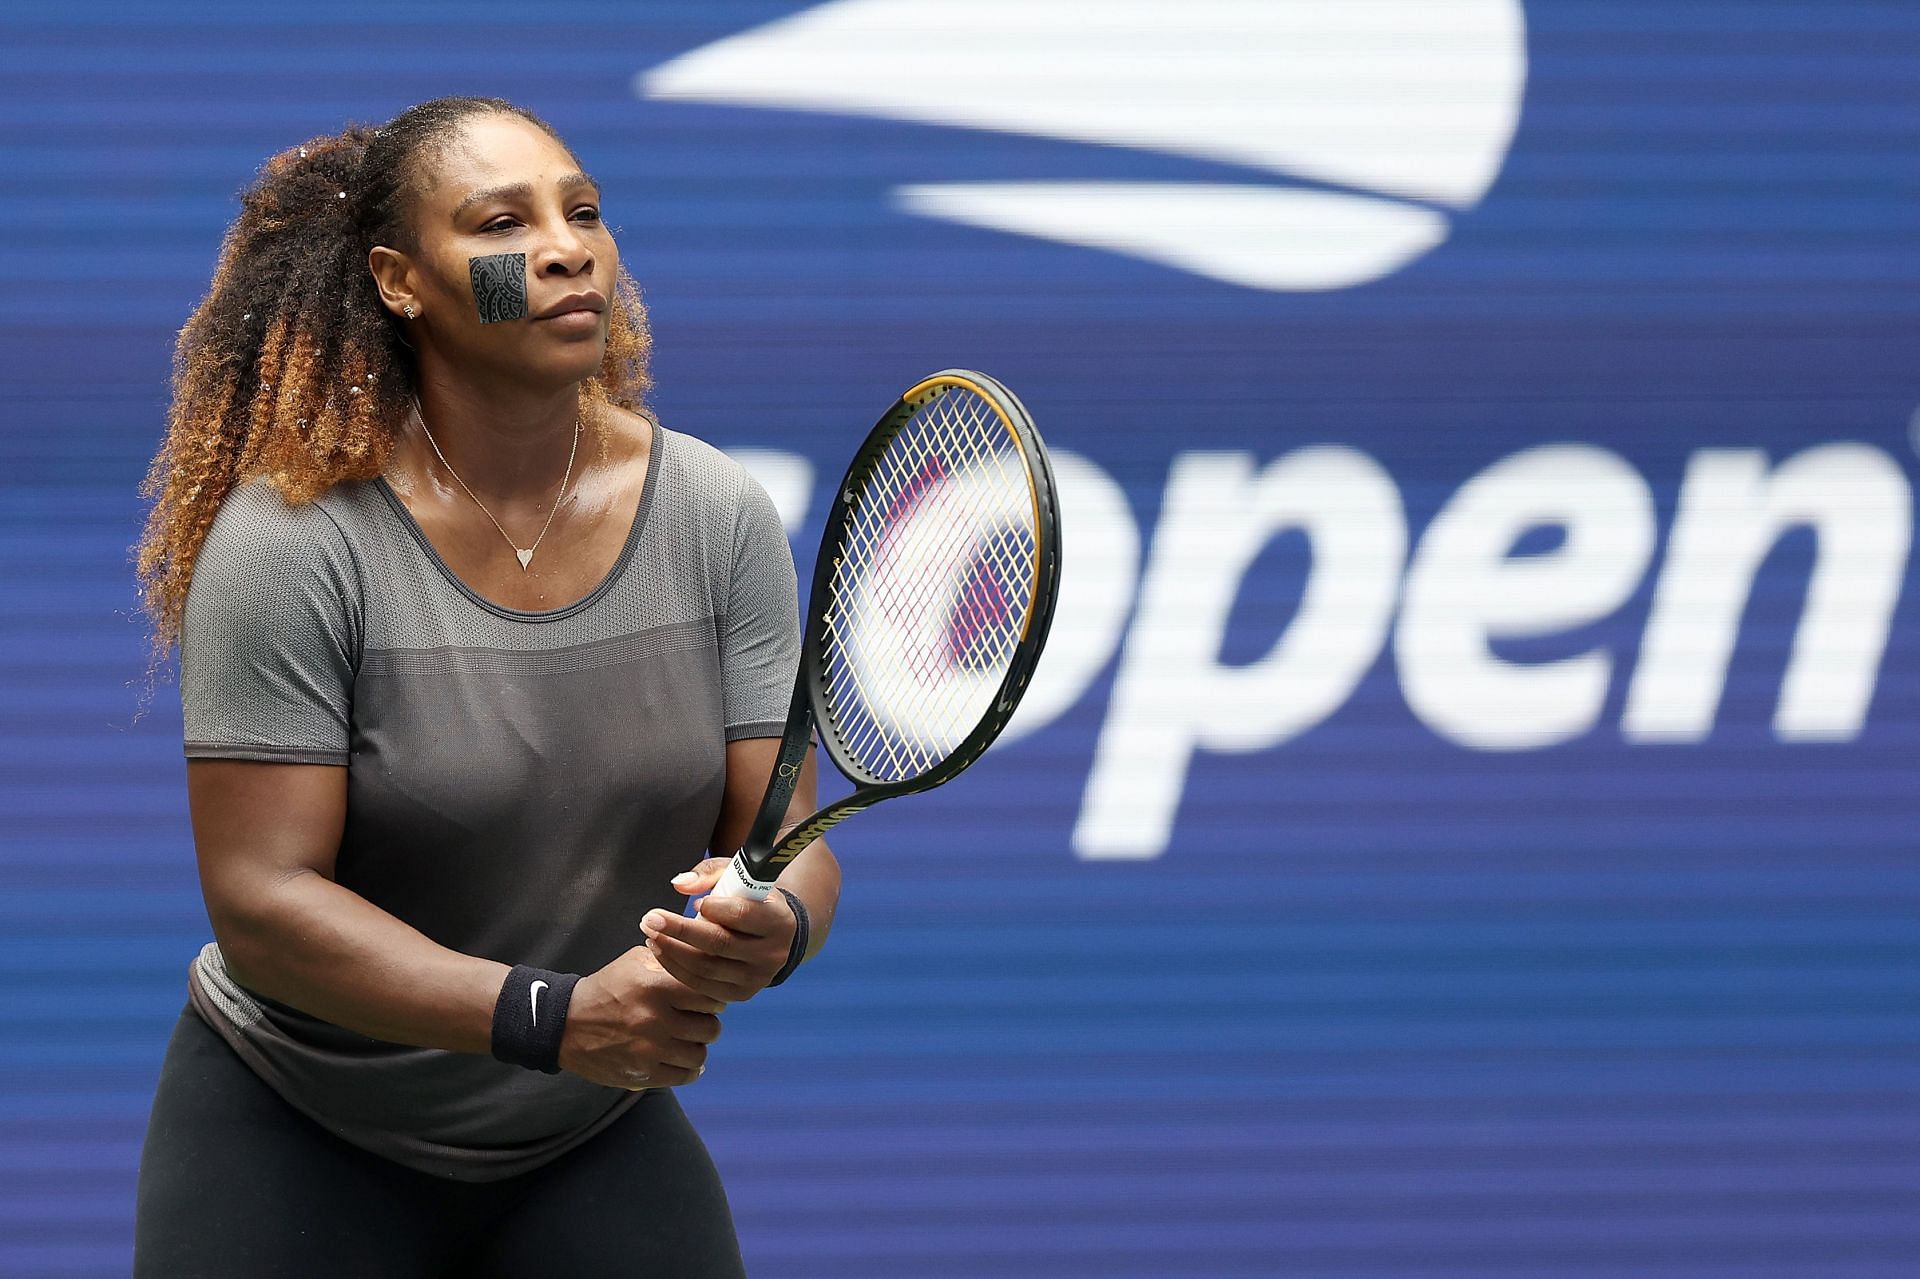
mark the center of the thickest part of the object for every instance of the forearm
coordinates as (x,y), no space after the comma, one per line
(326,950)
(814,877)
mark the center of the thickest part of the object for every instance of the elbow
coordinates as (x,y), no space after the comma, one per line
(254,924)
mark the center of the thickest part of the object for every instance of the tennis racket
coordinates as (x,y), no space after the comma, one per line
(932,595)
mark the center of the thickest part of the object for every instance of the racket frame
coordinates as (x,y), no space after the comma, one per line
(766,850)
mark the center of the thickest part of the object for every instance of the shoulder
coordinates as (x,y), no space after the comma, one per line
(255,517)
(685,470)
(259,543)
(716,490)
(700,468)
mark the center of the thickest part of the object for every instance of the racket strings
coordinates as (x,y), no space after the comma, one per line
(932,588)
(895,717)
(990,621)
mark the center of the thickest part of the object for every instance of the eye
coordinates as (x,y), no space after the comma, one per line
(500,224)
(593,215)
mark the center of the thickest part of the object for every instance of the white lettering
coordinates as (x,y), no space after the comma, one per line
(1172,696)
(1465,588)
(1731,514)
(1464,591)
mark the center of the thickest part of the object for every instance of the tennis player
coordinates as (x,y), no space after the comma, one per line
(476,657)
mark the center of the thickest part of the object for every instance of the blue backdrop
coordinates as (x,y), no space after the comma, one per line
(1470,825)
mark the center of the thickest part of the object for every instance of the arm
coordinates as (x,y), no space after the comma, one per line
(737,945)
(266,837)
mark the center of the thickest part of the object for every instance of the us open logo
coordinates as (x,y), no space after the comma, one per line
(1363,130)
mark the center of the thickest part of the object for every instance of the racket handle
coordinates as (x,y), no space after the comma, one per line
(735,882)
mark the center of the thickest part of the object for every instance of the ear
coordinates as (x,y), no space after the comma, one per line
(393,276)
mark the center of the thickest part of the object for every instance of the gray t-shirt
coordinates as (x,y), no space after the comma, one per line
(520,785)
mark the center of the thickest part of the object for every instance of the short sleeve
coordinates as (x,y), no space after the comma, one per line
(760,635)
(269,635)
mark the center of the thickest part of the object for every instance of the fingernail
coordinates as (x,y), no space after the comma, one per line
(684,877)
(653,920)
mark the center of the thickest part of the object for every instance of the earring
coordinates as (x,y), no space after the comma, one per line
(408,309)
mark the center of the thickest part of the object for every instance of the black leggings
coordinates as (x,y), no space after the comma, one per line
(237,1184)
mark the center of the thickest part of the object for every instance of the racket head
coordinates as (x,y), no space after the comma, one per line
(935,588)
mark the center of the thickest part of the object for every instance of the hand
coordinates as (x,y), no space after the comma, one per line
(733,949)
(632,1025)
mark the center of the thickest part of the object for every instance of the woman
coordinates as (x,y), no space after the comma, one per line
(474,656)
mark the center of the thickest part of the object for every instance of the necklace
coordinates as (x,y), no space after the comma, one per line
(524,555)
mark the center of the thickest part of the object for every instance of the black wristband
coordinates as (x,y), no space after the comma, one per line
(798,950)
(531,1016)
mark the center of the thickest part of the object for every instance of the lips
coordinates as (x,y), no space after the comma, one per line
(574,302)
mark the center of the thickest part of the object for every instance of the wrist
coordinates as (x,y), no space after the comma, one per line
(802,926)
(530,1017)
(584,1011)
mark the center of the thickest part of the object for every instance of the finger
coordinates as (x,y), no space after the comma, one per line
(699,972)
(709,994)
(688,1000)
(692,1034)
(698,985)
(671,950)
(654,1075)
(698,1028)
(702,934)
(680,1054)
(745,915)
(676,1076)
(702,877)
(643,954)
(734,976)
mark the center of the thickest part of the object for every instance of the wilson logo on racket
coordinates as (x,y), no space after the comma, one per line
(1393,117)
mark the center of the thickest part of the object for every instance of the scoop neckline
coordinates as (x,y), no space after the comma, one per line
(657,435)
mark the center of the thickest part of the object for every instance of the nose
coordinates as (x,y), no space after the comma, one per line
(566,253)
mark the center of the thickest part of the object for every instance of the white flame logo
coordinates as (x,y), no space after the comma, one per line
(1395,114)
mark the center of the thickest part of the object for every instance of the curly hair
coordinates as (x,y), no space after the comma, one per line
(291,367)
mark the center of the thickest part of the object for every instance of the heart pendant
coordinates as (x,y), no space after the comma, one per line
(524,557)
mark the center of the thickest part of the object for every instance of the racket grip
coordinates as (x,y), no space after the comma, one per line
(734,882)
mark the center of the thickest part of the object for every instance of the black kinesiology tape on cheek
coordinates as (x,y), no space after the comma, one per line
(499,286)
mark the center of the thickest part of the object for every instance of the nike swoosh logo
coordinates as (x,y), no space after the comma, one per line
(536,989)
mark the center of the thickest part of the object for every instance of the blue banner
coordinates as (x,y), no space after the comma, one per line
(1465,824)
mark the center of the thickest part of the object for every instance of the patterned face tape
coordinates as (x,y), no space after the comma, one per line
(499,286)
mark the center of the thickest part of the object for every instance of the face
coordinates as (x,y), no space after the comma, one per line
(509,231)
